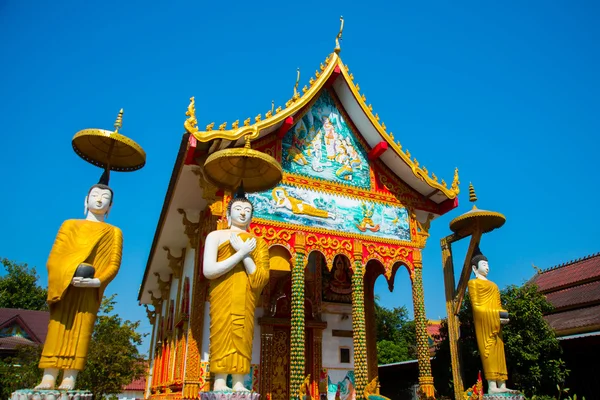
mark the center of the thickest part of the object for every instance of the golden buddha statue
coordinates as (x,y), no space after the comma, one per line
(85,258)
(488,316)
(237,265)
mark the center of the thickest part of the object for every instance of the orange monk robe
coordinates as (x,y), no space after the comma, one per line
(233,297)
(485,300)
(73,309)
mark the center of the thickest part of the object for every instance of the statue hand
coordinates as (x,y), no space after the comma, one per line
(248,246)
(235,241)
(86,282)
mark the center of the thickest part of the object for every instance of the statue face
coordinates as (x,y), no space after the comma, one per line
(241,213)
(99,201)
(482,268)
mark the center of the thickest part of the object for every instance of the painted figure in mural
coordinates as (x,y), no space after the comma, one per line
(367,220)
(84,259)
(355,162)
(297,206)
(330,137)
(295,151)
(488,316)
(237,265)
(345,171)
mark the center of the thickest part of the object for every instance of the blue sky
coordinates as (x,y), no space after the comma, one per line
(505,91)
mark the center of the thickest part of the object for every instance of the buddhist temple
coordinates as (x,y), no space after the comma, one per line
(352,205)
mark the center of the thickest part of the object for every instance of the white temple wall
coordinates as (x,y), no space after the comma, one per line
(332,344)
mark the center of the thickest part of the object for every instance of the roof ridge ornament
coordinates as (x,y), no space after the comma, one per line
(339,36)
(296,95)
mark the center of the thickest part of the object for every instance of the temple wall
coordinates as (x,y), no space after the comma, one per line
(332,344)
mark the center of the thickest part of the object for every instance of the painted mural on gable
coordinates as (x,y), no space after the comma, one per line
(321,145)
(306,207)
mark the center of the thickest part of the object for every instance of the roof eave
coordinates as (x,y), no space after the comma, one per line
(177,168)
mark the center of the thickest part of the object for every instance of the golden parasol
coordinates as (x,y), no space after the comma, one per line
(109,150)
(230,168)
(476,219)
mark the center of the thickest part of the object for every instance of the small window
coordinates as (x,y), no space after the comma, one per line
(344,355)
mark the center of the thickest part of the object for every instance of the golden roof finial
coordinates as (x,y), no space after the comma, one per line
(296,95)
(119,121)
(191,123)
(472,195)
(339,36)
(455,181)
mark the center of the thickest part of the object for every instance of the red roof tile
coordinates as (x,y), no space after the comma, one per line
(137,384)
(572,296)
(36,321)
(11,343)
(578,318)
(565,275)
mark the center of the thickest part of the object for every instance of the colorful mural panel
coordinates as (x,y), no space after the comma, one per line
(340,385)
(321,145)
(306,207)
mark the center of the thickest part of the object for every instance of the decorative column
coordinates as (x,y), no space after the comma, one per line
(317,359)
(297,328)
(359,337)
(425,377)
(193,375)
(370,323)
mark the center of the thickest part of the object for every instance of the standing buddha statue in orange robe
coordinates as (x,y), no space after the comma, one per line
(488,316)
(84,259)
(237,265)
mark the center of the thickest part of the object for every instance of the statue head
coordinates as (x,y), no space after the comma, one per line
(479,263)
(99,200)
(239,211)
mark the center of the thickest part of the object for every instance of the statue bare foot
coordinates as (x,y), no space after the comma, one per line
(238,385)
(48,380)
(68,382)
(46,384)
(220,384)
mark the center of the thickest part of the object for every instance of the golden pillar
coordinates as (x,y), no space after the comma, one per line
(425,377)
(298,326)
(358,322)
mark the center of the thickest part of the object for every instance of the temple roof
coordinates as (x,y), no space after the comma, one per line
(33,323)
(333,73)
(573,288)
(185,192)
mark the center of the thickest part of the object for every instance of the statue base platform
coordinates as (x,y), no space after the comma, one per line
(51,394)
(229,395)
(504,396)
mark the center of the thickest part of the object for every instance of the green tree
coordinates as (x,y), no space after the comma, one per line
(396,337)
(532,350)
(113,359)
(19,287)
(20,371)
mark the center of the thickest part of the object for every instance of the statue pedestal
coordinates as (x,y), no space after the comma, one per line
(504,396)
(53,394)
(229,396)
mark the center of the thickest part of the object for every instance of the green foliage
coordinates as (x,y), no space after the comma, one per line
(20,371)
(396,337)
(532,350)
(113,359)
(19,288)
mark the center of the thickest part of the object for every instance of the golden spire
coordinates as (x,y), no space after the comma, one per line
(472,195)
(339,37)
(455,181)
(119,121)
(296,95)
